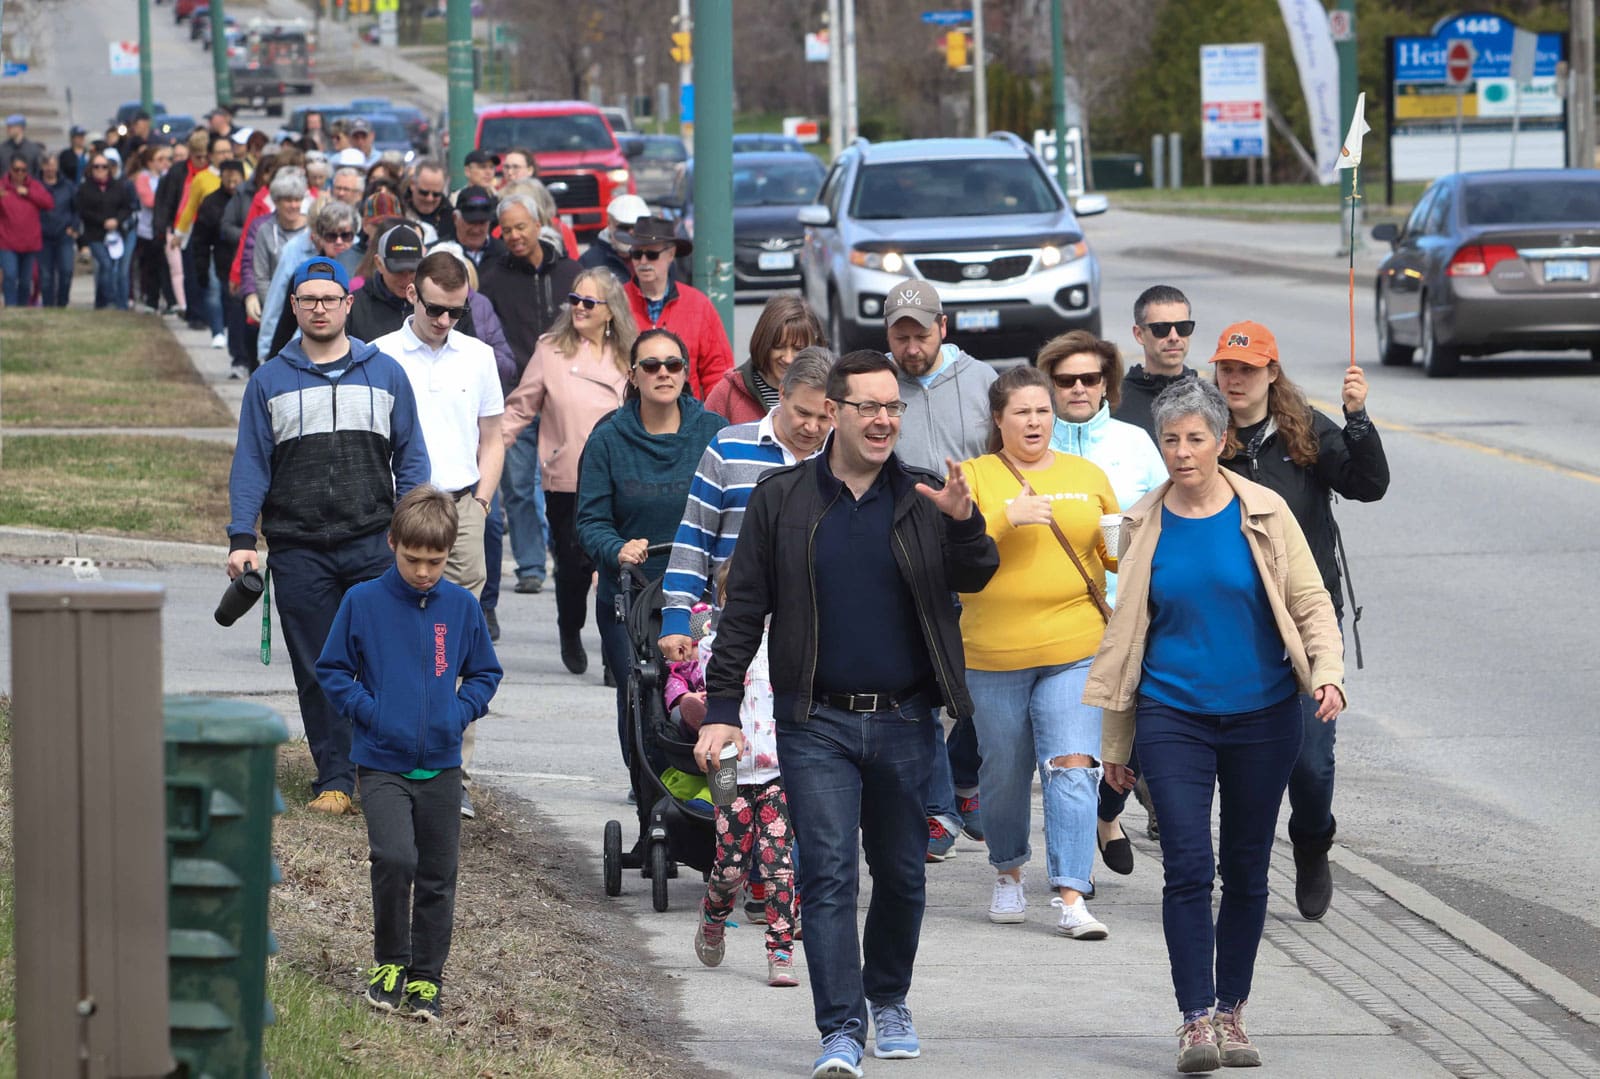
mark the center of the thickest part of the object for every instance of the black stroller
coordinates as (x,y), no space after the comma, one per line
(670,831)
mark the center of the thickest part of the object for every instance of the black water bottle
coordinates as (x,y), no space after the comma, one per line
(241,595)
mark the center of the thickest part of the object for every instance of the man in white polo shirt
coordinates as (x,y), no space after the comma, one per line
(459,405)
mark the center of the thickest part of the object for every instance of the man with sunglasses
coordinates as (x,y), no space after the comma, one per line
(426,198)
(1163,325)
(328,438)
(660,302)
(854,556)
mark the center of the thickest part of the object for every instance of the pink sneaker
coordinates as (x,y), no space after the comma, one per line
(780,970)
(1197,1046)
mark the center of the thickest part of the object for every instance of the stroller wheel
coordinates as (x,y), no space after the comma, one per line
(660,867)
(612,857)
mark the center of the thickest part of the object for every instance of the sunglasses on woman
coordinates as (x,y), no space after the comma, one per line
(1090,379)
(653,366)
(586,302)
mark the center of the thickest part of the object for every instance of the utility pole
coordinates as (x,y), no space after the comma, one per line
(836,140)
(458,58)
(685,57)
(1348,77)
(713,154)
(1058,90)
(1580,86)
(980,86)
(852,115)
(147,92)
(219,56)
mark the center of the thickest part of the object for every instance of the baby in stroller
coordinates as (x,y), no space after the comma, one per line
(685,692)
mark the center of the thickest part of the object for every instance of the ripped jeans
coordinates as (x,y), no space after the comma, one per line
(1026,719)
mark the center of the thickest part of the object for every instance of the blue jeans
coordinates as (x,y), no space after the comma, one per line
(1026,719)
(494,548)
(1248,757)
(17,266)
(616,652)
(56,263)
(524,499)
(1311,782)
(111,275)
(955,767)
(850,773)
(213,307)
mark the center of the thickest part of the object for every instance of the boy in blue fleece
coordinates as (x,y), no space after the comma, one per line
(397,651)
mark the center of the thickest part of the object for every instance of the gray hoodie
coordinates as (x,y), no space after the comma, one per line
(950,416)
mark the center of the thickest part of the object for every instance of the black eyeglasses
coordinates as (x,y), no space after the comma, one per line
(319,303)
(434,310)
(99,165)
(420,193)
(339,237)
(651,255)
(586,302)
(653,366)
(1090,379)
(869,409)
(1162,329)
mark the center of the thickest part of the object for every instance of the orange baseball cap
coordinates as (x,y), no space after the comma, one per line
(1247,342)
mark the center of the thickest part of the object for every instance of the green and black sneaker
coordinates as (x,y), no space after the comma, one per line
(384,990)
(422,1001)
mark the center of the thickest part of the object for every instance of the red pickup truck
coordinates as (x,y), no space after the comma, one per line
(574,148)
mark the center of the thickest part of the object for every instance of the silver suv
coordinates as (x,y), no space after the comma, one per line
(980,218)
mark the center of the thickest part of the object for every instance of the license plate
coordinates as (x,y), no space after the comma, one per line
(258,102)
(1566,270)
(978,319)
(775,260)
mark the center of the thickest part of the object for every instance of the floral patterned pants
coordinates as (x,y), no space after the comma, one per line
(755,828)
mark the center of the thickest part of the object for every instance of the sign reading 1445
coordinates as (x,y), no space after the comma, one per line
(1486,25)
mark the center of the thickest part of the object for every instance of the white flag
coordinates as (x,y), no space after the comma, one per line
(1350,154)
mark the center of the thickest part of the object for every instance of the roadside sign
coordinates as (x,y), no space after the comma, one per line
(1459,56)
(1524,51)
(686,103)
(12,69)
(1233,100)
(124,57)
(947,18)
(380,6)
(803,128)
(817,47)
(1342,25)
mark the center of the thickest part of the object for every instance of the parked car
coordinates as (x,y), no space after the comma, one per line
(618,118)
(255,88)
(767,143)
(1490,262)
(768,192)
(982,219)
(388,133)
(654,160)
(576,152)
(173,128)
(129,109)
(182,9)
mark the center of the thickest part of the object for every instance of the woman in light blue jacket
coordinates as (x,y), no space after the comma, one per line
(1085,374)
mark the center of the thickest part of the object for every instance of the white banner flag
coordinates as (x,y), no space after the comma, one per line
(1311,41)
(1350,155)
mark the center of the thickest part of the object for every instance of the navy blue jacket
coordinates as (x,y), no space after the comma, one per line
(391,665)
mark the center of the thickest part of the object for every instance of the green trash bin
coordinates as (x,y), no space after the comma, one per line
(222,793)
(1118,172)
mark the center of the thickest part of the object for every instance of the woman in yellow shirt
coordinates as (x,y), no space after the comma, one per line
(1029,637)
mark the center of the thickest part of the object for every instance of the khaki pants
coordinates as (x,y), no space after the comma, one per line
(468,568)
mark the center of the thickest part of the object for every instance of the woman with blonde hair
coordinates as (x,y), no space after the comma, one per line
(578,374)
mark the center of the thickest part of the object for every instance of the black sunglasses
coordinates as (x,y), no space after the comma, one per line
(653,366)
(651,255)
(587,302)
(1184,327)
(345,237)
(1090,379)
(434,310)
(424,193)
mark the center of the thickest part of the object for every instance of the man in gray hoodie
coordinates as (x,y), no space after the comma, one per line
(946,393)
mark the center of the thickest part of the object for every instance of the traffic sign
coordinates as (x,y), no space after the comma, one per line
(1459,56)
(12,69)
(947,18)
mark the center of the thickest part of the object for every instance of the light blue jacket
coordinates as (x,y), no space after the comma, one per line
(1124,453)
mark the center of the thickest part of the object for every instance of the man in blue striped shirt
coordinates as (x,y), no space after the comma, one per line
(728,471)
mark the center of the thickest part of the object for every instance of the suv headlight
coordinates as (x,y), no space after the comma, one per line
(1052,255)
(617,176)
(887,261)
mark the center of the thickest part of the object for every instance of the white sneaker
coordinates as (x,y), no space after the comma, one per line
(219,340)
(239,373)
(1009,905)
(1077,923)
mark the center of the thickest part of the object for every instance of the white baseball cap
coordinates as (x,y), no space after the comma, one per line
(627,209)
(350,156)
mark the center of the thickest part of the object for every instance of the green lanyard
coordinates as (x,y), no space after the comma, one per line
(266,617)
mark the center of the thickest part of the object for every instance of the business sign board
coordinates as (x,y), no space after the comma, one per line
(1423,104)
(1233,100)
(124,57)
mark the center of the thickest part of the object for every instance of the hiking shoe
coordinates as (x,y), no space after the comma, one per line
(573,657)
(893,1036)
(940,841)
(1009,904)
(1076,921)
(841,1055)
(1197,1046)
(971,818)
(422,1001)
(1232,1042)
(780,969)
(334,803)
(493,621)
(384,990)
(1313,881)
(1141,793)
(468,811)
(529,586)
(708,939)
(755,903)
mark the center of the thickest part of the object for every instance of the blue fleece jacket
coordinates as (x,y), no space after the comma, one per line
(323,460)
(391,665)
(633,484)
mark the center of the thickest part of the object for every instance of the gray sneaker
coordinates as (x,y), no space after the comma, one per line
(468,812)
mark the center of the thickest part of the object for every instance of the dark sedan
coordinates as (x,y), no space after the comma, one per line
(1492,262)
(654,160)
(768,191)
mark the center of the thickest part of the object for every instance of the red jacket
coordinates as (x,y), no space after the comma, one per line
(19,215)
(734,399)
(689,314)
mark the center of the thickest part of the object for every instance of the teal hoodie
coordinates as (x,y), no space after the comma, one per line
(633,484)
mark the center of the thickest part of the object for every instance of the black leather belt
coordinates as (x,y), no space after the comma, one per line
(463,493)
(865,702)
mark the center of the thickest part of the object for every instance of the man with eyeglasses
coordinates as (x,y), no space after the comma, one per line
(1163,325)
(380,305)
(854,555)
(328,439)
(660,302)
(348,185)
(425,198)
(517,164)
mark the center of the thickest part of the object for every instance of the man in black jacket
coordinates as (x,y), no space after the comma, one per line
(426,198)
(381,306)
(1163,325)
(859,662)
(529,282)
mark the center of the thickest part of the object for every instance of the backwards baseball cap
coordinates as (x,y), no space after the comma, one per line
(16,119)
(627,209)
(319,268)
(476,204)
(400,249)
(78,129)
(913,299)
(482,157)
(1247,342)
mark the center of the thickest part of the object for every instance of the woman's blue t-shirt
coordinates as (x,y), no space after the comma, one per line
(1213,646)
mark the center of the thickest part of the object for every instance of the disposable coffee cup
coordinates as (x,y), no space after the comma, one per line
(1111,531)
(725,780)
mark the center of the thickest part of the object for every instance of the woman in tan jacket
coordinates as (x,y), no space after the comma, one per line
(1222,621)
(577,376)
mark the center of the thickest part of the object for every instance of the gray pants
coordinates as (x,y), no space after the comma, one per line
(414,830)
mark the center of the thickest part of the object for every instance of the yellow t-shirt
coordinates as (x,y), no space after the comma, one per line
(1035,610)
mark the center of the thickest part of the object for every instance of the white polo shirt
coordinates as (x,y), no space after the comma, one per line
(455,387)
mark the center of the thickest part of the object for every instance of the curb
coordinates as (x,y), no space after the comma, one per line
(38,543)
(1254,264)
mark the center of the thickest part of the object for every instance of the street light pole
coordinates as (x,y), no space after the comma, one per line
(458,53)
(712,52)
(980,86)
(1580,96)
(147,93)
(1058,90)
(852,116)
(219,56)
(836,138)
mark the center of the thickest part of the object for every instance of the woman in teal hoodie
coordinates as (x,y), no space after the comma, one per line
(633,483)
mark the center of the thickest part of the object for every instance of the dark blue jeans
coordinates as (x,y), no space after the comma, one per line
(494,547)
(525,503)
(955,767)
(1311,782)
(1186,756)
(56,263)
(17,268)
(308,585)
(848,774)
(617,653)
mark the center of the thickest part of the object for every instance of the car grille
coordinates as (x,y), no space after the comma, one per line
(951,272)
(582,189)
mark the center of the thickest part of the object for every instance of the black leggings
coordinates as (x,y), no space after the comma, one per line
(574,570)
